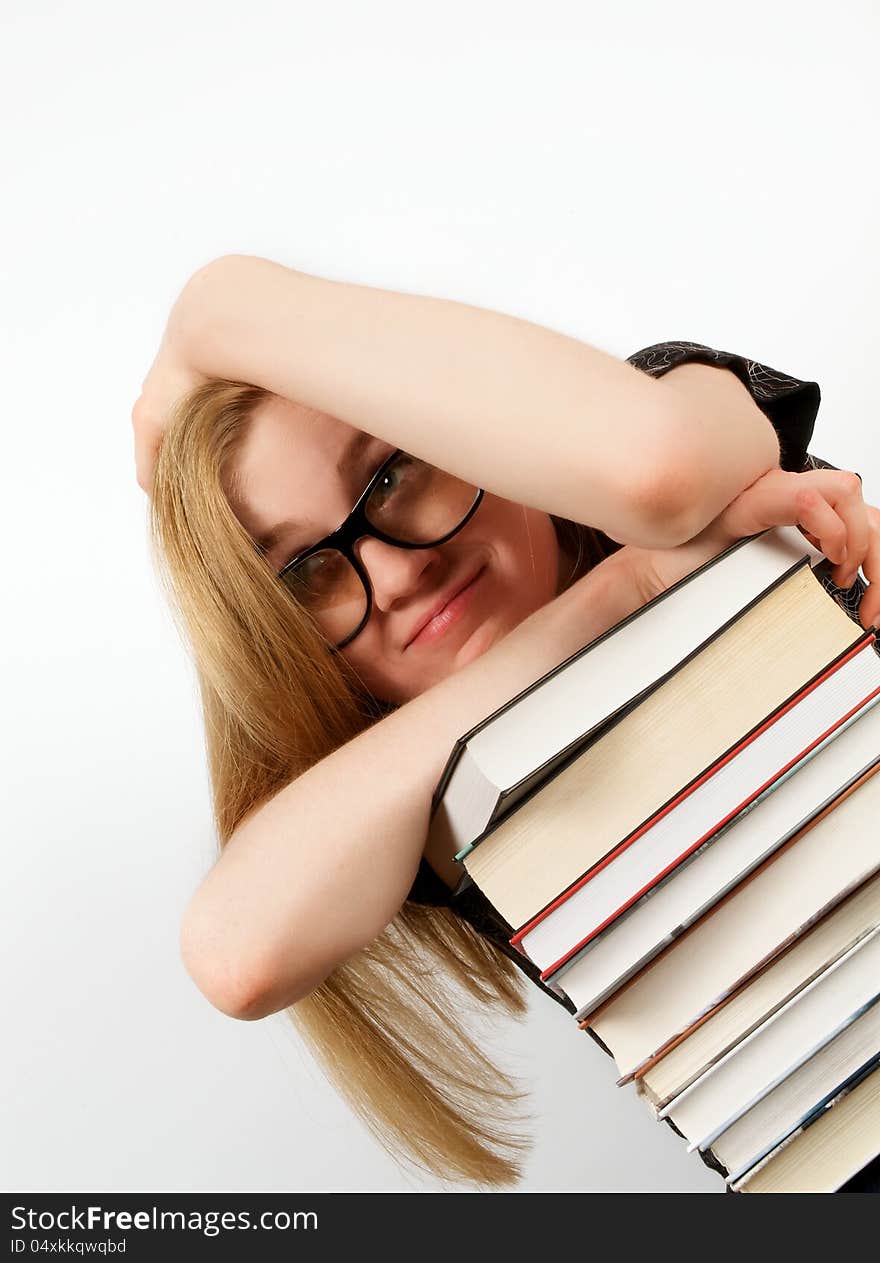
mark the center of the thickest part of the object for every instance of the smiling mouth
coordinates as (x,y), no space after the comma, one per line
(449,615)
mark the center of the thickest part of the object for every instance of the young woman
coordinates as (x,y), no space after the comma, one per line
(380,516)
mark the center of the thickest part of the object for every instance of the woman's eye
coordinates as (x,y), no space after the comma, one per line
(300,569)
(311,566)
(389,482)
(392,478)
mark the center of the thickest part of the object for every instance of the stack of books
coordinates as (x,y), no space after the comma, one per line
(679,825)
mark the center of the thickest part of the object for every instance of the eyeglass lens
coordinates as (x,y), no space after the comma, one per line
(413,503)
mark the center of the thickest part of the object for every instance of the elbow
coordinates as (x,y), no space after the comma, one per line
(656,487)
(669,496)
(695,469)
(239,983)
(229,985)
(235,985)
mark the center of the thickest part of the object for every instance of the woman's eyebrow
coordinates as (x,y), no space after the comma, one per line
(351,461)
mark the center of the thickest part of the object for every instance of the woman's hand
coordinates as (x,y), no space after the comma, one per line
(825,504)
(827,507)
(169,379)
(171,376)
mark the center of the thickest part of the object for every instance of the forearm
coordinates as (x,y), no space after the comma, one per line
(321,869)
(528,413)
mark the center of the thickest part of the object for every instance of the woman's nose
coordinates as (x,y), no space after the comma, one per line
(394,572)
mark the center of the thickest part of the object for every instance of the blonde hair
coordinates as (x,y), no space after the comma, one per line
(385,1024)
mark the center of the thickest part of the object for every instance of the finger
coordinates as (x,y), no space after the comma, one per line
(768,502)
(869,608)
(147,439)
(844,493)
(817,515)
(145,467)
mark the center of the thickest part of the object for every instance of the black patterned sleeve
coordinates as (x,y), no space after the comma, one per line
(789,404)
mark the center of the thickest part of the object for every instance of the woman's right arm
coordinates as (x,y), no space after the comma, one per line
(528,413)
(322,868)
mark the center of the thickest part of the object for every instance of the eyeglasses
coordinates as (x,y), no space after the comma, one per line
(407,503)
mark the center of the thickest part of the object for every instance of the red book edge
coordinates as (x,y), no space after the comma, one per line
(696,845)
(516,940)
(781,949)
(710,772)
(840,796)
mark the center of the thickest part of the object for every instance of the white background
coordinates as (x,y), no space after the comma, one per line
(626,174)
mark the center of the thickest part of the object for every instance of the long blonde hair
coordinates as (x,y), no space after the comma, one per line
(385,1024)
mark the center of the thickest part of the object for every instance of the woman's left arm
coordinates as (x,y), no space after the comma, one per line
(528,413)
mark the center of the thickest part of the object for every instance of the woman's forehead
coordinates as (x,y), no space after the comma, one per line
(279,435)
(287,464)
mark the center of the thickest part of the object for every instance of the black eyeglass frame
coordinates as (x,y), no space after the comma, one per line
(355,527)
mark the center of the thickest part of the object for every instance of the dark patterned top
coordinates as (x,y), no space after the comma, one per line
(791,406)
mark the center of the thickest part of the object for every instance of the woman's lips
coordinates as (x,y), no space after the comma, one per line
(451,614)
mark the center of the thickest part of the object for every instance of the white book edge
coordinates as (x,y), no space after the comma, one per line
(773,1019)
(612,671)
